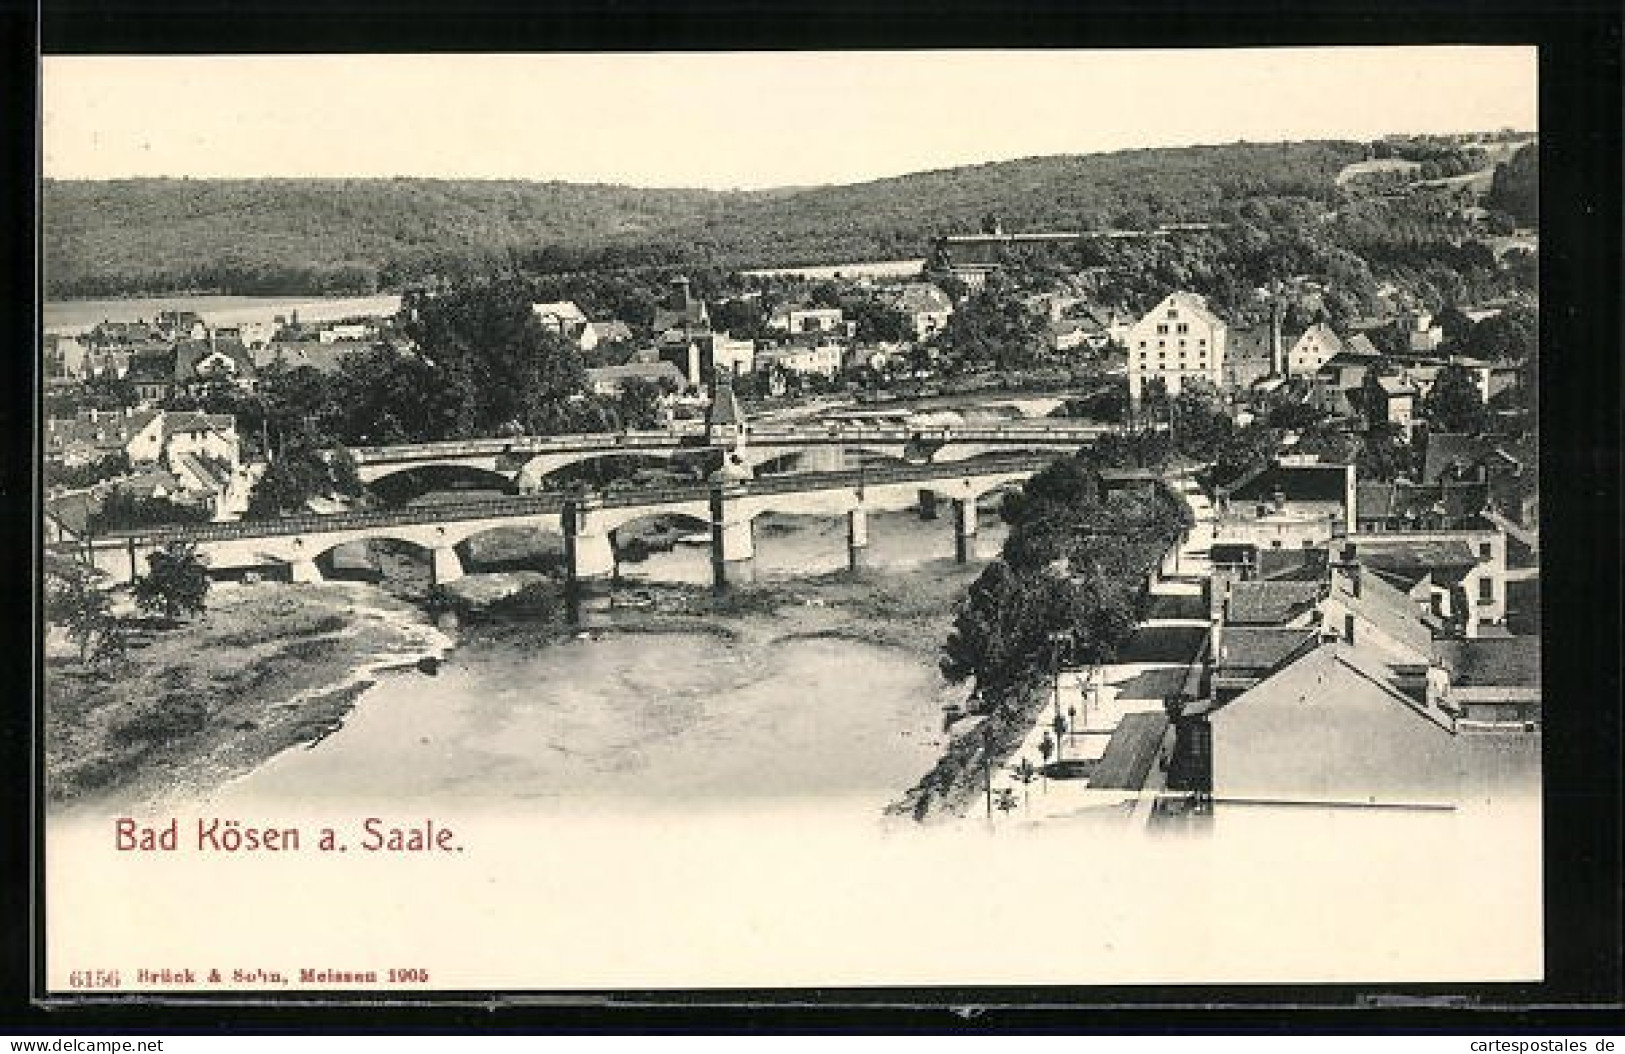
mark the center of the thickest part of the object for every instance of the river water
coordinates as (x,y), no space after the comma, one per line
(650,721)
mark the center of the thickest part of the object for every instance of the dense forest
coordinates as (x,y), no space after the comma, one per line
(280,236)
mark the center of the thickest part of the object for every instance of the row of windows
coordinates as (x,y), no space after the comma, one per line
(1201,342)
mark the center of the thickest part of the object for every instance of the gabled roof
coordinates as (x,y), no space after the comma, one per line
(151,367)
(1448,560)
(611,331)
(1260,647)
(291,354)
(189,354)
(919,298)
(1192,303)
(211,476)
(197,421)
(1331,726)
(724,408)
(659,370)
(1134,745)
(563,310)
(1296,482)
(1396,386)
(1360,346)
(1325,334)
(1270,603)
(1383,606)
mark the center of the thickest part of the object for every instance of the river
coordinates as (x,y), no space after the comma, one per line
(753,707)
(76,316)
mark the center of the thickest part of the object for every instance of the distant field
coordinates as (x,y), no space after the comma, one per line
(1376,167)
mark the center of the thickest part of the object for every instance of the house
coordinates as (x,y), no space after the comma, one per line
(257,333)
(927,307)
(1308,351)
(201,363)
(1492,681)
(152,374)
(610,380)
(684,315)
(607,333)
(795,318)
(1178,340)
(1071,334)
(346,331)
(1406,506)
(721,355)
(64,357)
(92,435)
(1245,655)
(325,358)
(1359,346)
(821,359)
(1333,727)
(108,334)
(198,434)
(1460,575)
(1422,334)
(1512,470)
(1398,404)
(1252,353)
(567,320)
(180,325)
(1284,506)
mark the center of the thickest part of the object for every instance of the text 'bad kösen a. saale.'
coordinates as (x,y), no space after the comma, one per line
(372,834)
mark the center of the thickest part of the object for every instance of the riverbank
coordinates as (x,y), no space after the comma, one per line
(273,666)
(266,668)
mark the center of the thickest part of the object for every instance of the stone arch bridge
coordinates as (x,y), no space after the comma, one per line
(525,462)
(585,520)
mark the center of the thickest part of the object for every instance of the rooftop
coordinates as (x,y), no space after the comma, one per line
(1498,662)
(1270,603)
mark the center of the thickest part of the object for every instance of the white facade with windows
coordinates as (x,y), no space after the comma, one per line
(1175,341)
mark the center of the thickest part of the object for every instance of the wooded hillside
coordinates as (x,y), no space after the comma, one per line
(279,236)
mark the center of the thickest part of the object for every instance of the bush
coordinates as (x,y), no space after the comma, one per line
(163,720)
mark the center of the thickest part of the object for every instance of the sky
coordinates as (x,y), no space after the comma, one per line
(740,120)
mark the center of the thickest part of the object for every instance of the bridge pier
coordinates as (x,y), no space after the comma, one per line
(444,565)
(304,569)
(964,529)
(589,557)
(928,504)
(857,539)
(733,540)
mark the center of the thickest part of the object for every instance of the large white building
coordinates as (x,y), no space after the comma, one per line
(1177,340)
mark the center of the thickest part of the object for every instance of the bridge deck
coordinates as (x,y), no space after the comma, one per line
(613,442)
(548,504)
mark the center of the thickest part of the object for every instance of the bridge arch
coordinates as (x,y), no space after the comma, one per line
(538,472)
(408,483)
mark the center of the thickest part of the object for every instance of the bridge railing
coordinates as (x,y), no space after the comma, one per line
(307,523)
(549,504)
(661,440)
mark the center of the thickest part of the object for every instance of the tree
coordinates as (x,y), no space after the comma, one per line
(1384,454)
(1515,187)
(76,600)
(176,584)
(121,509)
(638,404)
(1454,404)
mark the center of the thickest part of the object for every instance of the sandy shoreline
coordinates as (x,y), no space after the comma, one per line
(268,667)
(273,667)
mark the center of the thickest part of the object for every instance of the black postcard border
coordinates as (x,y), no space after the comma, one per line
(1580,171)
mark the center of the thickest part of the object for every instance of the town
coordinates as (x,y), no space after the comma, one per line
(1266,509)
